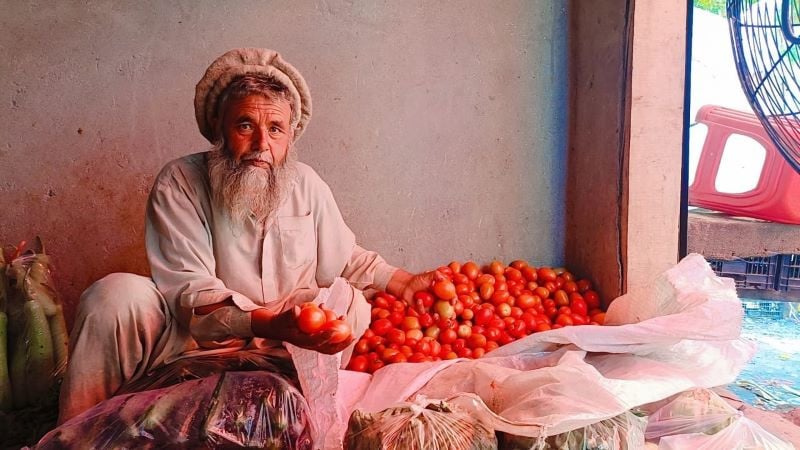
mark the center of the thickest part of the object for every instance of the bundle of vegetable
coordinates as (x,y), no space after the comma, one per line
(418,426)
(33,333)
(623,432)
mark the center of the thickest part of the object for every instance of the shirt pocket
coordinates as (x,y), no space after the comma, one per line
(298,240)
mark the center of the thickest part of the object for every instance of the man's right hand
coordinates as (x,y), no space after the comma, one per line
(283,327)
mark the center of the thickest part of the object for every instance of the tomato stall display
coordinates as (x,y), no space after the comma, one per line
(469,311)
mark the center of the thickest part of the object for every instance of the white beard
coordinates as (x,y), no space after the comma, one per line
(243,189)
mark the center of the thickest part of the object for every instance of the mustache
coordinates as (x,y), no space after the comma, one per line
(264,156)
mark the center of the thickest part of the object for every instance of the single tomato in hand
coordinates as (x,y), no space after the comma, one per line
(311,319)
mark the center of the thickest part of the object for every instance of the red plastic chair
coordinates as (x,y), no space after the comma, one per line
(776,196)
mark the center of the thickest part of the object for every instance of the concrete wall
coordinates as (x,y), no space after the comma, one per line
(440,126)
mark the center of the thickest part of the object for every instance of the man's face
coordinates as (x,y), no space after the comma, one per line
(257,130)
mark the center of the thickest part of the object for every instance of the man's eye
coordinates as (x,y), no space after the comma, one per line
(275,130)
(245,127)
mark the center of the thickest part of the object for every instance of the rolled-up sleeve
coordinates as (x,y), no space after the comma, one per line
(179,248)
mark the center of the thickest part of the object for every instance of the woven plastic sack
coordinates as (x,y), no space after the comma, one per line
(420,425)
(623,432)
(256,409)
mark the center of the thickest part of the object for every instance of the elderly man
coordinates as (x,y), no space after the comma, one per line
(236,237)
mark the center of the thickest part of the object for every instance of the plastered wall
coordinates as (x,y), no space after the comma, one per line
(440,126)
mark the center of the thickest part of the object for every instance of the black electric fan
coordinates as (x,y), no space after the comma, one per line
(765,35)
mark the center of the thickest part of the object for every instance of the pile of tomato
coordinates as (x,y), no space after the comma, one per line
(469,311)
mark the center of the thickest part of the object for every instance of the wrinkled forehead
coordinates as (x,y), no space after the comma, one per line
(258,108)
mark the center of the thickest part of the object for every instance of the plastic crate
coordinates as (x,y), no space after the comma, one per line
(789,277)
(769,310)
(758,272)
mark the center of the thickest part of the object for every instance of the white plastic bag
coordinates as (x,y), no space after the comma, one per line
(331,393)
(702,420)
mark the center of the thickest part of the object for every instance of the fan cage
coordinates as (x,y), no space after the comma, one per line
(764,38)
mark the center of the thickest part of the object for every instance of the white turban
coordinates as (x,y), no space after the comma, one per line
(249,61)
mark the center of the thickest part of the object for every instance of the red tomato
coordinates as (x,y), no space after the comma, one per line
(424,347)
(455,266)
(396,336)
(564,320)
(516,312)
(529,273)
(476,341)
(492,333)
(542,327)
(425,320)
(311,319)
(447,336)
(485,278)
(483,316)
(592,299)
(415,334)
(358,363)
(578,306)
(411,323)
(444,309)
(467,314)
(423,297)
(340,331)
(547,274)
(503,309)
(497,322)
(397,306)
(486,291)
(459,344)
(362,346)
(460,278)
(505,338)
(561,298)
(519,264)
(600,318)
(398,358)
(436,348)
(579,319)
(396,318)
(417,357)
(380,301)
(513,274)
(541,292)
(329,315)
(500,297)
(433,331)
(525,301)
(471,270)
(444,289)
(381,326)
(496,268)
(375,341)
(570,287)
(478,352)
(584,285)
(491,345)
(529,320)
(518,329)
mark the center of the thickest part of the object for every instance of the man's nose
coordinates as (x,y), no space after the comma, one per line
(260,141)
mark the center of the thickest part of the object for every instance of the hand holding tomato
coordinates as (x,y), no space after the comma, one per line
(404,285)
(305,328)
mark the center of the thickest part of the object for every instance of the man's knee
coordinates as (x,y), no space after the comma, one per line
(118,297)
